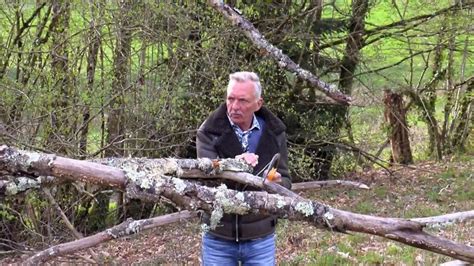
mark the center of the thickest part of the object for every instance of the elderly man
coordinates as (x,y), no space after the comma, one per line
(243,129)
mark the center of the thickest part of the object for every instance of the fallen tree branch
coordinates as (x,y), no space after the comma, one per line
(151,179)
(446,218)
(328,183)
(128,227)
(283,60)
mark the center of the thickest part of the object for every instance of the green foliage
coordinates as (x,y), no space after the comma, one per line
(5,214)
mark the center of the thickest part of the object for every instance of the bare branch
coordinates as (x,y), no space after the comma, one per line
(328,183)
(283,60)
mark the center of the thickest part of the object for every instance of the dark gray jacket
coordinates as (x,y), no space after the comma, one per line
(216,139)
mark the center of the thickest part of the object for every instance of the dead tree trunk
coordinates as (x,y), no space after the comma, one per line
(395,117)
(149,180)
(466,118)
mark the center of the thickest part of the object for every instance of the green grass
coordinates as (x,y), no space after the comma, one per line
(371,257)
(365,207)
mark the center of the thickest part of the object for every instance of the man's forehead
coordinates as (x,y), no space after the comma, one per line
(241,95)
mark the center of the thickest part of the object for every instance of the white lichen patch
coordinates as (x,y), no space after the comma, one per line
(221,199)
(33,157)
(26,183)
(204,164)
(146,183)
(328,218)
(170,166)
(139,178)
(132,173)
(133,228)
(231,204)
(221,188)
(235,165)
(159,182)
(23,184)
(216,217)
(11,189)
(305,208)
(205,228)
(110,232)
(280,201)
(439,226)
(179,172)
(240,196)
(179,185)
(143,178)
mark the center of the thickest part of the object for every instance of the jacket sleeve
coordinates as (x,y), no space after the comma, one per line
(205,146)
(283,164)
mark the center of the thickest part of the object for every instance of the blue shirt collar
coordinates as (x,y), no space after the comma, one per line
(255,125)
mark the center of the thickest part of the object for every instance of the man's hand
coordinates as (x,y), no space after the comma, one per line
(250,158)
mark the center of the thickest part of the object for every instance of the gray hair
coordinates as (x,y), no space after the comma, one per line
(245,76)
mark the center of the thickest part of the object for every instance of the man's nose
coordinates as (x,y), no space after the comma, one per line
(235,105)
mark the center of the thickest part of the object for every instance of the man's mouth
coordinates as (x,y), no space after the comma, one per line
(235,115)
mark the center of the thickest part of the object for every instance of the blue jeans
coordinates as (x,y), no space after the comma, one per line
(218,251)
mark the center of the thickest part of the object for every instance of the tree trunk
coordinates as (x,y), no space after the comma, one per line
(351,58)
(59,131)
(450,90)
(395,117)
(115,120)
(116,115)
(427,103)
(92,53)
(466,118)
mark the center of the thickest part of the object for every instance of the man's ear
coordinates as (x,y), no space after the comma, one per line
(259,103)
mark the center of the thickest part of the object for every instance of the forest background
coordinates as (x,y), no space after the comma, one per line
(90,79)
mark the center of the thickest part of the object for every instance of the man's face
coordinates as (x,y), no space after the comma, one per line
(242,103)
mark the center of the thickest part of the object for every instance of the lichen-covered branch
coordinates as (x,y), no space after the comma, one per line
(12,185)
(126,228)
(283,60)
(152,179)
(446,218)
